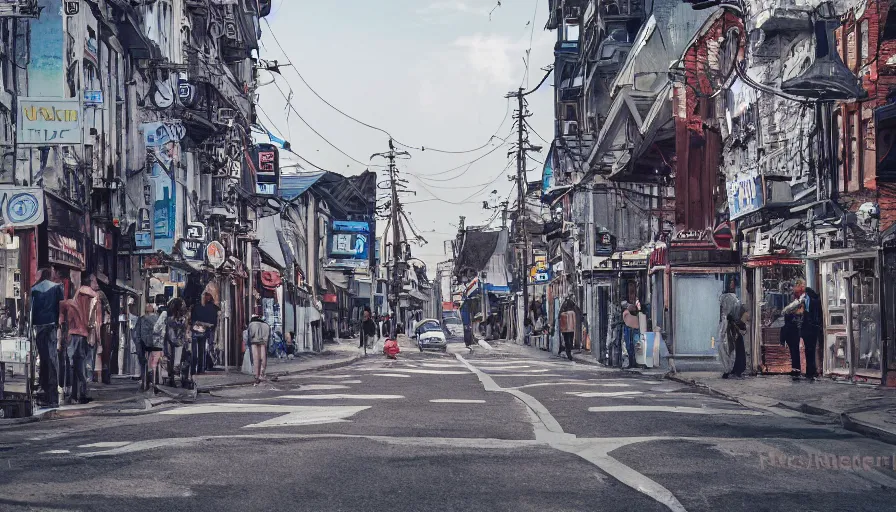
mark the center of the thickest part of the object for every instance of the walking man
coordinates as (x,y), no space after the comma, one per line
(45,298)
(369,329)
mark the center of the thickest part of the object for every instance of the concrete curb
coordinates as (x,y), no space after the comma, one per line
(867,430)
(803,411)
(329,366)
(96,410)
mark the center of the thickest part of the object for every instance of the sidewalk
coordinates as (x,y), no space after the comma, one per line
(868,410)
(335,355)
(122,395)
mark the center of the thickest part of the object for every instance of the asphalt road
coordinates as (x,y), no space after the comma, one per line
(508,429)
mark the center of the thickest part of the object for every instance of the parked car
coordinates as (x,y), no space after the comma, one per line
(429,335)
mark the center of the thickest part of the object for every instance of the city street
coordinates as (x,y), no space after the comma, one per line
(504,429)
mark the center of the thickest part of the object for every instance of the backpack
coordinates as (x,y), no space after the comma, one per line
(159,329)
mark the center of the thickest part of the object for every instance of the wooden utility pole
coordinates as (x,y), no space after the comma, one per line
(398,263)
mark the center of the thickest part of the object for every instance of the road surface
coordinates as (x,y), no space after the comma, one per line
(504,429)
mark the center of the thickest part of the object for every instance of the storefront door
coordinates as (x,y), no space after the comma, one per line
(852,345)
(695,305)
(774,290)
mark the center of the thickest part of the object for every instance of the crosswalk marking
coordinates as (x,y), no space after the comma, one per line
(674,409)
(341,397)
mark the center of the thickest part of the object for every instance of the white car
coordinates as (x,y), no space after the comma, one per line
(429,334)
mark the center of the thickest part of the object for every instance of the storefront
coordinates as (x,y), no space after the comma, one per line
(699,273)
(768,288)
(599,284)
(850,290)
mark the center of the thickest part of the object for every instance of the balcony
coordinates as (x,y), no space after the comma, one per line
(567,49)
(621,10)
(19,9)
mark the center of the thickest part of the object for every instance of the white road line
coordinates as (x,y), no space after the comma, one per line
(607,394)
(322,387)
(291,415)
(108,444)
(425,372)
(391,375)
(456,401)
(673,409)
(56,452)
(594,451)
(527,375)
(342,397)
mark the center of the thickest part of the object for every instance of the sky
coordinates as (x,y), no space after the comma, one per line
(431,73)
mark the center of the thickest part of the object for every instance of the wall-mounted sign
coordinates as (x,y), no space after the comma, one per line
(49,121)
(541,271)
(21,207)
(64,250)
(694,239)
(195,231)
(93,97)
(745,196)
(215,254)
(192,250)
(72,7)
(604,243)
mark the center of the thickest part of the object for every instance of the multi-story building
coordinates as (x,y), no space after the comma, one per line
(127,150)
(728,147)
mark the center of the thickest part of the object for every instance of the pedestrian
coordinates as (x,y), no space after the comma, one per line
(790,332)
(45,298)
(149,346)
(369,329)
(259,333)
(631,329)
(80,317)
(65,362)
(806,324)
(731,337)
(569,312)
(172,323)
(290,345)
(203,321)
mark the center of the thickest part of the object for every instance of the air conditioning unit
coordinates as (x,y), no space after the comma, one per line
(570,128)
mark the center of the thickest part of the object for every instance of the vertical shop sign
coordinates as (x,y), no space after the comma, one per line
(163,154)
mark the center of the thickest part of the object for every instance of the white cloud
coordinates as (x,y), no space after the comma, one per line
(497,59)
(457,6)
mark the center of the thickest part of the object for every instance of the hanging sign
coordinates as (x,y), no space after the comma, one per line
(215,254)
(21,207)
(745,196)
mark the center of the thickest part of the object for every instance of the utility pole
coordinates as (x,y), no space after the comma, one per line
(522,147)
(398,263)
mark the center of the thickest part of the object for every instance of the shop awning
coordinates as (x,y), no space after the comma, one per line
(338,279)
(269,244)
(294,185)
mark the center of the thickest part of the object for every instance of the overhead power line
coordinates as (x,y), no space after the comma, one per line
(334,146)
(368,125)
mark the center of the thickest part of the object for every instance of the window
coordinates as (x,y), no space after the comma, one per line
(863,42)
